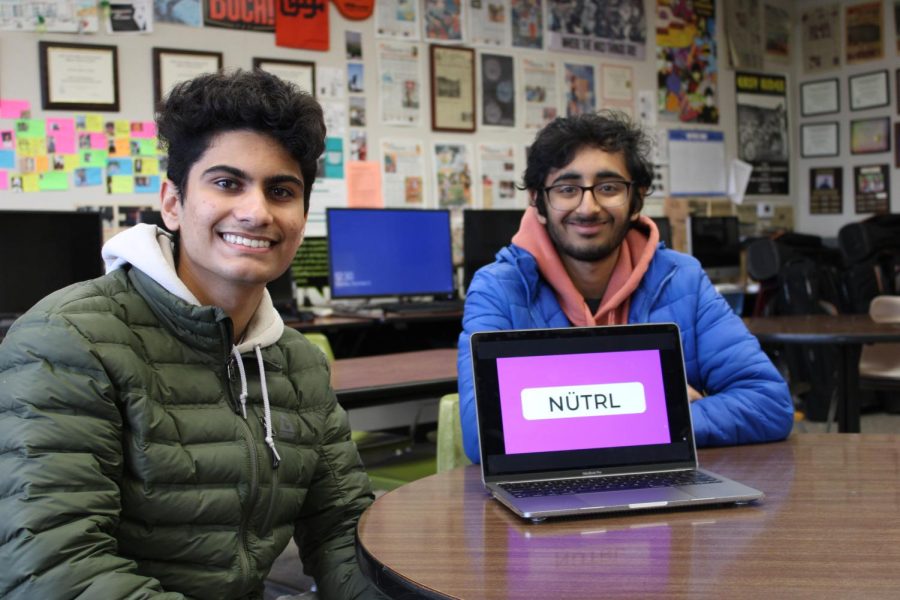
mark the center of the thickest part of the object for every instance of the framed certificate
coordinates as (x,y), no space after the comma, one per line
(79,76)
(172,65)
(452,88)
(869,90)
(301,73)
(870,136)
(820,97)
(819,139)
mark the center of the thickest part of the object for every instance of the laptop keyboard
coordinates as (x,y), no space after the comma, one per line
(586,485)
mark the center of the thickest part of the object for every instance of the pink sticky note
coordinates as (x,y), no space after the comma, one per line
(143,129)
(4,180)
(98,141)
(13,109)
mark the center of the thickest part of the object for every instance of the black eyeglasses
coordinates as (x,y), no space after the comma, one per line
(608,194)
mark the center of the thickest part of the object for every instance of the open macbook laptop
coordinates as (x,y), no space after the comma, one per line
(585,420)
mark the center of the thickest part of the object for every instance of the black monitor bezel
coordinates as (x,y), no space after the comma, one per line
(83,274)
(470,266)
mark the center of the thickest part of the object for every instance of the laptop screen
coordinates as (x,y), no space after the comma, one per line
(581,398)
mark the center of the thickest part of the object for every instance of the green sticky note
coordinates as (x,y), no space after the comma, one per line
(31,128)
(53,181)
(94,158)
(147,147)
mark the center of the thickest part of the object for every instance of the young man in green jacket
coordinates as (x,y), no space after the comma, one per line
(162,434)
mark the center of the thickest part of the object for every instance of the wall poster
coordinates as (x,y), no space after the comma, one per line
(763,131)
(864,32)
(687,74)
(618,29)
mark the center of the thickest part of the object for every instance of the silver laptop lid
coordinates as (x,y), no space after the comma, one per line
(581,401)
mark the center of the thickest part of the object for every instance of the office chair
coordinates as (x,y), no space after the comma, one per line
(450,452)
(879,364)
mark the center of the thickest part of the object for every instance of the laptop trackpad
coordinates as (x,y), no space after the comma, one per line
(626,497)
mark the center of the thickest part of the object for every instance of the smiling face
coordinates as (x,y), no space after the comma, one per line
(243,219)
(589,232)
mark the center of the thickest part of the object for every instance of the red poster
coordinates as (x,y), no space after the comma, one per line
(257,15)
(302,24)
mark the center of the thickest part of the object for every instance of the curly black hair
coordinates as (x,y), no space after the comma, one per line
(611,131)
(197,110)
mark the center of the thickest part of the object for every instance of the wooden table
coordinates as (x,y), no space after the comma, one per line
(846,333)
(385,378)
(829,527)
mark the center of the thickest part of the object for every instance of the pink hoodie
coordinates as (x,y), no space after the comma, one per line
(634,258)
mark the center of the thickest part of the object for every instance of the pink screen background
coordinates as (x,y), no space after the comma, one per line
(521,435)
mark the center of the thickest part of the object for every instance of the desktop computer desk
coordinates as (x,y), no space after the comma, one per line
(829,527)
(390,378)
(374,332)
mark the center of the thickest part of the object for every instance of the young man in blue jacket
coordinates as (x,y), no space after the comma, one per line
(585,256)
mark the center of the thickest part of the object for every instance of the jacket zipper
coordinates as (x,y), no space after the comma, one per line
(243,551)
(267,522)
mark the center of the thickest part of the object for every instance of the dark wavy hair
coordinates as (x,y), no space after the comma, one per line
(611,131)
(197,110)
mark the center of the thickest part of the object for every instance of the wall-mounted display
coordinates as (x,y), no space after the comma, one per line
(299,72)
(452,88)
(826,191)
(172,65)
(869,90)
(79,76)
(819,139)
(872,185)
(820,97)
(869,136)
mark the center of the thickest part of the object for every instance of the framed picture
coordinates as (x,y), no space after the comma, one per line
(819,139)
(869,90)
(452,88)
(826,189)
(896,145)
(869,136)
(79,76)
(872,187)
(172,65)
(820,97)
(299,72)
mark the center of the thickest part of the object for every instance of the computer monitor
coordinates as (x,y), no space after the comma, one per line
(378,252)
(44,251)
(716,243)
(485,232)
(665,230)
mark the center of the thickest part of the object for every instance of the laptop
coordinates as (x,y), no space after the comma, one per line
(584,420)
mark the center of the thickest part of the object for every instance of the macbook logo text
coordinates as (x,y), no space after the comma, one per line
(565,402)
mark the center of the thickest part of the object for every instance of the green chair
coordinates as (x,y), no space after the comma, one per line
(450,452)
(390,460)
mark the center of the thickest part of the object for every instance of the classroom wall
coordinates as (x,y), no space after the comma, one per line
(829,225)
(19,80)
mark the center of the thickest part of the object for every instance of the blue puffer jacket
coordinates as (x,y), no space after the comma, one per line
(746,400)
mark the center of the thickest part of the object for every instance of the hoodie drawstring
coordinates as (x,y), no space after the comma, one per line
(240,365)
(267,410)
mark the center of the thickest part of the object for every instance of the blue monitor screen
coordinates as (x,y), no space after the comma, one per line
(389,252)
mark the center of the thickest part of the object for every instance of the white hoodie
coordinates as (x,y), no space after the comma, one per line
(150,249)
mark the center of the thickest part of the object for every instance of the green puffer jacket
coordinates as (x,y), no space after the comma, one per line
(127,470)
